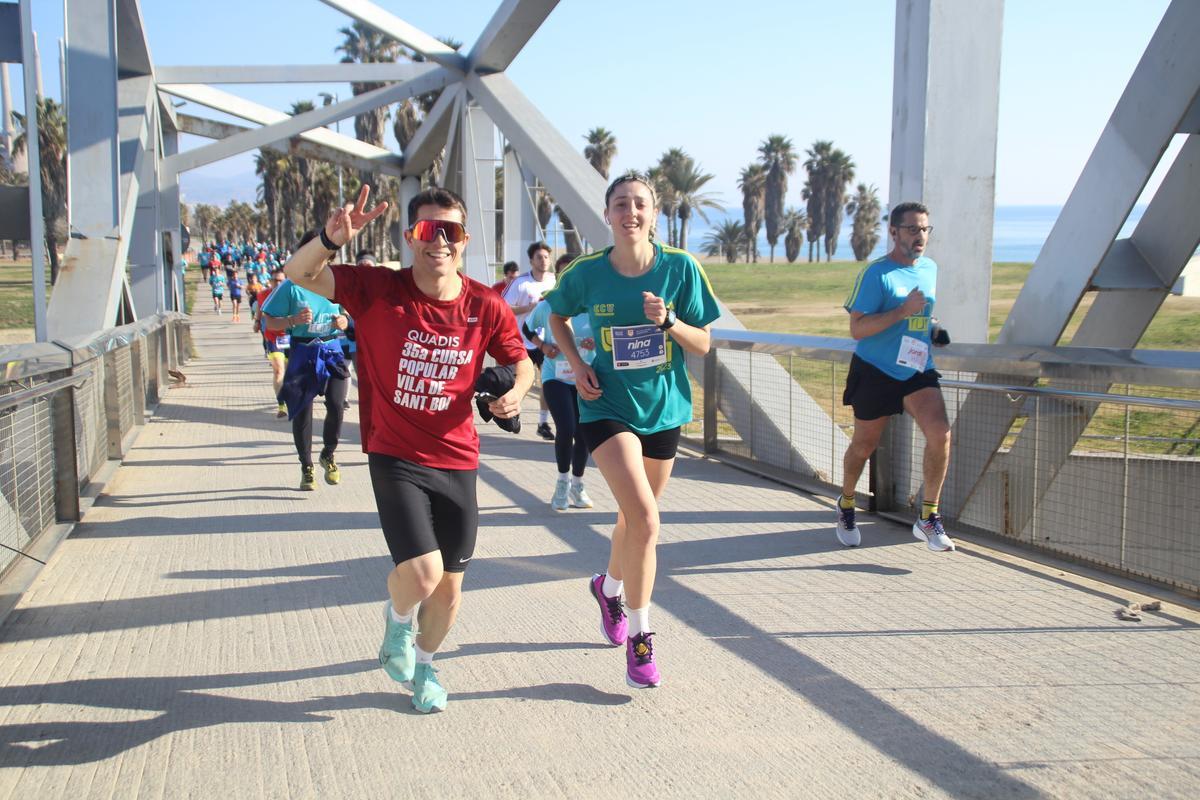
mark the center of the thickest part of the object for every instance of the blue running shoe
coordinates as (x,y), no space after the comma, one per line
(428,694)
(396,654)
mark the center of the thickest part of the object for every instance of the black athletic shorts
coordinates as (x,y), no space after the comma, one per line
(425,509)
(536,356)
(660,445)
(874,394)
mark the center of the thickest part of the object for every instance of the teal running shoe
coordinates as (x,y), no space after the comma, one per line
(428,694)
(560,501)
(396,654)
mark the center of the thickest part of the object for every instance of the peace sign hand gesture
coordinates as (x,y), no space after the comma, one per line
(345,222)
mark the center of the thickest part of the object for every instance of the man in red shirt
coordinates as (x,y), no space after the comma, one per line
(422,333)
(510,274)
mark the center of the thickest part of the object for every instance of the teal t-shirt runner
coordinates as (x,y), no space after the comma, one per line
(286,301)
(641,369)
(558,368)
(902,350)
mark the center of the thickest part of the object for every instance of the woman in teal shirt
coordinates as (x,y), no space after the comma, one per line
(648,304)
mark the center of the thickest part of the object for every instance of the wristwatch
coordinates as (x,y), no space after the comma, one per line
(669,321)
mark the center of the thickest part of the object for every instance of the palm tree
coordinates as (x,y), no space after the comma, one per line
(814,190)
(839,172)
(424,104)
(269,165)
(52,152)
(366,45)
(726,240)
(665,191)
(794,224)
(206,219)
(779,159)
(545,209)
(686,180)
(601,148)
(753,183)
(865,208)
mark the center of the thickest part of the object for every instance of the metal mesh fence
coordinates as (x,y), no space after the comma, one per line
(125,403)
(1102,473)
(91,432)
(1111,482)
(785,411)
(26,474)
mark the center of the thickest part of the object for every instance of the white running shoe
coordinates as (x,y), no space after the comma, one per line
(579,497)
(931,532)
(560,502)
(847,531)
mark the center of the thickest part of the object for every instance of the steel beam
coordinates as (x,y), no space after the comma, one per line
(93,160)
(573,182)
(295,73)
(1127,153)
(387,23)
(430,138)
(169,220)
(520,213)
(945,110)
(1124,268)
(510,29)
(378,157)
(133,51)
(294,126)
(1164,239)
(385,162)
(37,226)
(478,137)
(1129,149)
(92,293)
(145,245)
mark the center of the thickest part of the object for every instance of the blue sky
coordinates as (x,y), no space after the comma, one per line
(703,77)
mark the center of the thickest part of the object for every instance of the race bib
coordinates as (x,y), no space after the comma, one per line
(283,342)
(638,346)
(914,353)
(563,371)
(322,327)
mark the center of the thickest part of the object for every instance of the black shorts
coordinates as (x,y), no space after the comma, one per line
(660,445)
(425,509)
(874,394)
(536,356)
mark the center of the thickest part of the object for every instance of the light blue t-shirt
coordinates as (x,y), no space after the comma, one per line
(559,369)
(641,369)
(285,301)
(882,286)
(217,282)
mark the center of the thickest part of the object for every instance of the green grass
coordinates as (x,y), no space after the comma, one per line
(16,293)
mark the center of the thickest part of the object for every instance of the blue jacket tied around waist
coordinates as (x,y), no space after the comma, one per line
(308,370)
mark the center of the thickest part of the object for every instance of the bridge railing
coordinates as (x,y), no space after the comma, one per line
(66,410)
(1089,454)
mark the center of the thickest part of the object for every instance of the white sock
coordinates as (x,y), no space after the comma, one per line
(543,417)
(639,621)
(577,481)
(562,477)
(400,617)
(423,657)
(612,588)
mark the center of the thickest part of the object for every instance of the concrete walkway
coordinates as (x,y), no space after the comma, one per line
(210,631)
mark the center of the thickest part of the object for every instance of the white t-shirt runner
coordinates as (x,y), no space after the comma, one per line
(525,291)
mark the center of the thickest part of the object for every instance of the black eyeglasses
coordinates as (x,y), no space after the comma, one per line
(915,229)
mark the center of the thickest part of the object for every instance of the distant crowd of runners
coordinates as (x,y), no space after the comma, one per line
(605,334)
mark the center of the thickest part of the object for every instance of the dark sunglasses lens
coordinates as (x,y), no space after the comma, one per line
(426,230)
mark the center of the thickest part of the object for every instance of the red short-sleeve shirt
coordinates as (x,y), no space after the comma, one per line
(418,359)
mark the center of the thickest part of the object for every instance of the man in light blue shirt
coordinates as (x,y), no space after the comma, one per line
(892,372)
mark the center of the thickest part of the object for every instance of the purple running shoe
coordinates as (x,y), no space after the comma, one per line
(613,624)
(641,672)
